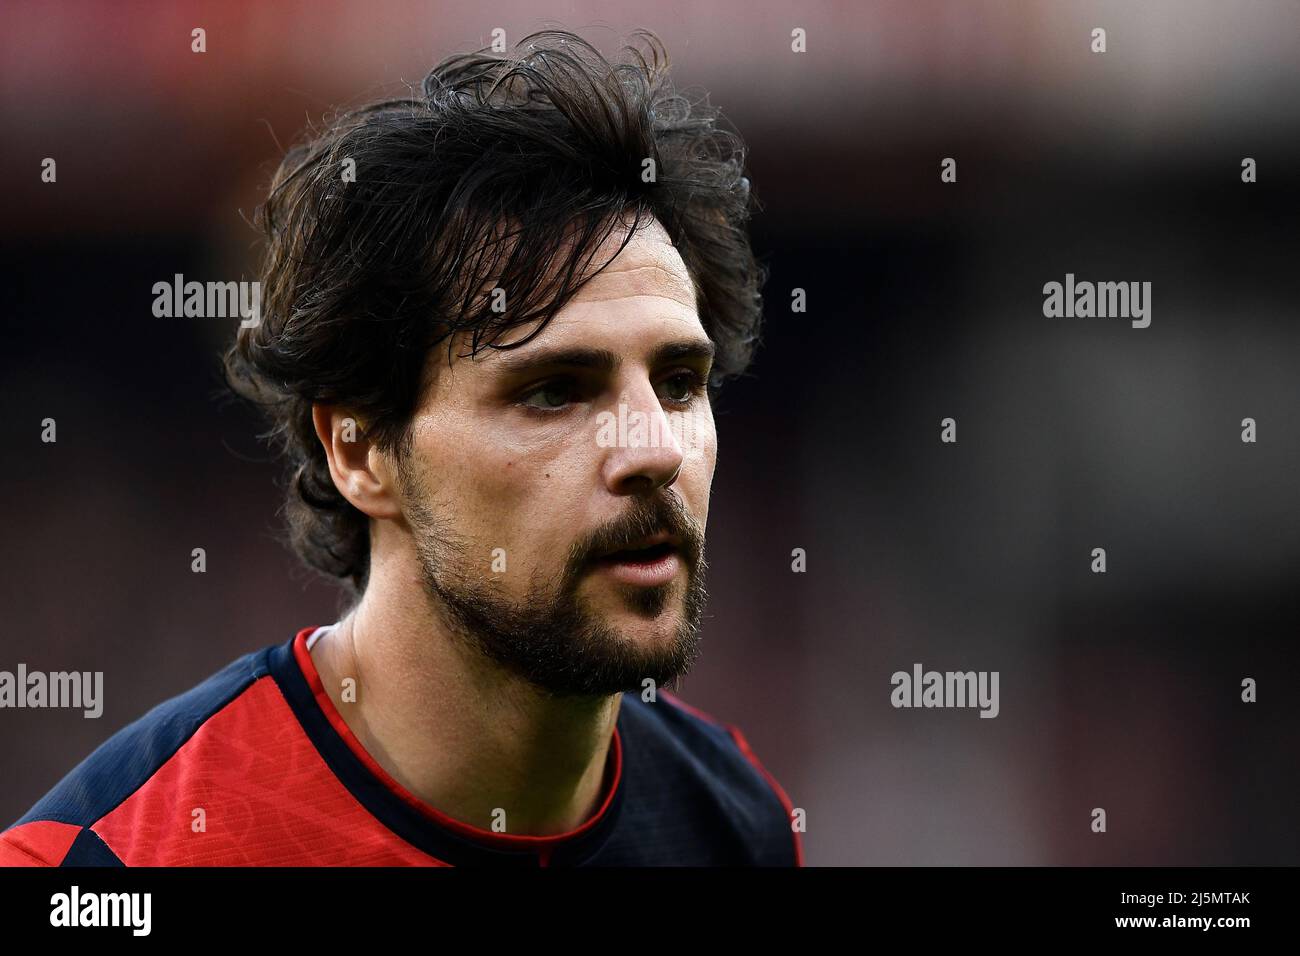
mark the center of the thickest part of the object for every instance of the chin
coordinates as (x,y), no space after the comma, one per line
(639,626)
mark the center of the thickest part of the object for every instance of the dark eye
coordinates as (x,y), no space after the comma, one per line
(680,387)
(550,395)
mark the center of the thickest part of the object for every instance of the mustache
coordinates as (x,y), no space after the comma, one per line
(663,512)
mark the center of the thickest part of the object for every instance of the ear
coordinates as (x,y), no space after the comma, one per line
(361,472)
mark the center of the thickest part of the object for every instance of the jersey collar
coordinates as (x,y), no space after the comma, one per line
(425,827)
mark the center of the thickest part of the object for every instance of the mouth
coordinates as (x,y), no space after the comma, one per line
(651,562)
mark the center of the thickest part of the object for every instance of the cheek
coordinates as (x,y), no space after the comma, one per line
(530,501)
(703,440)
(701,458)
(498,485)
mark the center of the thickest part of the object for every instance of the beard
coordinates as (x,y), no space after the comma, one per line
(552,638)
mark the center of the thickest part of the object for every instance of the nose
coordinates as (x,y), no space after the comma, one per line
(647,453)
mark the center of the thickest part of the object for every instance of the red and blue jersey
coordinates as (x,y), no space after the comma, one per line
(255,767)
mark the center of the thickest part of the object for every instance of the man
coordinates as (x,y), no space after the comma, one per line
(493,319)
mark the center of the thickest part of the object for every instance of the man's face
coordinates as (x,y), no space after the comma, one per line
(529,466)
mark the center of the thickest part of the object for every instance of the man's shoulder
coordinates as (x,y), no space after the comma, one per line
(690,764)
(65,827)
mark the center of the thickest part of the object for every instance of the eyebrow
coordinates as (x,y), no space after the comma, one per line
(603,360)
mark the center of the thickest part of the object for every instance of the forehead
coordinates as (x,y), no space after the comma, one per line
(645,292)
(649,265)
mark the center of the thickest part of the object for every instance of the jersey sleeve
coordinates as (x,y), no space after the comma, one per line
(39,843)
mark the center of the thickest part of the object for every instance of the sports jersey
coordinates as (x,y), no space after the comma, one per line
(256,767)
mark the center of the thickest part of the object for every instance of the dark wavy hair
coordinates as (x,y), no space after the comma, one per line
(507,171)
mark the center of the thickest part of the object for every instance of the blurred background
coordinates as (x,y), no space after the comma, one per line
(1118,690)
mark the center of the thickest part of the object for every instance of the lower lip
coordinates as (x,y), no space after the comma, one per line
(645,574)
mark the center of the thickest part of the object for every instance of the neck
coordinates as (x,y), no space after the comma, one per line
(450,726)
